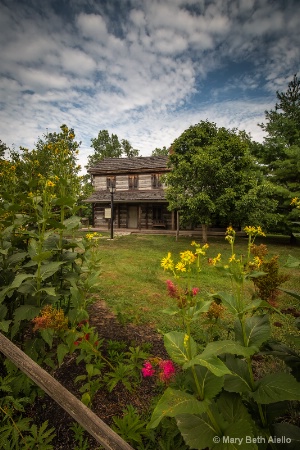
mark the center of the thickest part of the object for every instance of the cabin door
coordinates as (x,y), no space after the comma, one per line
(132,217)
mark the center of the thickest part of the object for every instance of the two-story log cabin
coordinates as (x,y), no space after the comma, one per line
(139,199)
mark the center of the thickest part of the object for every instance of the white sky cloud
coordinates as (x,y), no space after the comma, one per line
(145,70)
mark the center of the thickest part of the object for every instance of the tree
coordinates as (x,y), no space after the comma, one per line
(109,146)
(281,150)
(214,179)
(160,151)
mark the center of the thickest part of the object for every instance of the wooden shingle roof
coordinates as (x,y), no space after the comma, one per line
(110,166)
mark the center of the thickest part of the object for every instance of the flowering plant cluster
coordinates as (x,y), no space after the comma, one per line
(164,370)
(50,318)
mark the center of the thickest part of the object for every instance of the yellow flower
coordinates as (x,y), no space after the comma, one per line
(167,262)
(50,183)
(254,231)
(187,257)
(232,258)
(230,231)
(217,259)
(180,267)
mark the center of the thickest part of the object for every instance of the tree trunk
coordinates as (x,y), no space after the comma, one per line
(204,233)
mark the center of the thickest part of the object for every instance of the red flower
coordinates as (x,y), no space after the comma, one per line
(168,370)
(172,289)
(195,291)
(147,370)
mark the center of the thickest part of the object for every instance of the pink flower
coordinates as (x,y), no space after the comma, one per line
(172,289)
(195,291)
(147,370)
(168,370)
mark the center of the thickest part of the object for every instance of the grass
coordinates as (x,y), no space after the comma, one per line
(133,284)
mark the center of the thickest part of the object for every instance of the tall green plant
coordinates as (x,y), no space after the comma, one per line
(222,402)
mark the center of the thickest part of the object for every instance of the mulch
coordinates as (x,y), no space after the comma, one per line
(105,404)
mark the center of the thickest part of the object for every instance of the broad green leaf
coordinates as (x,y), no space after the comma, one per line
(239,379)
(62,350)
(292,262)
(197,432)
(226,346)
(286,430)
(72,222)
(232,408)
(237,436)
(276,387)
(49,291)
(172,311)
(19,280)
(47,270)
(291,293)
(48,335)
(173,402)
(4,325)
(212,363)
(210,385)
(26,312)
(42,256)
(257,331)
(16,257)
(174,343)
(32,248)
(229,301)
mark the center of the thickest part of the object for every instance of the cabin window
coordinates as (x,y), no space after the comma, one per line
(133,181)
(110,181)
(156,181)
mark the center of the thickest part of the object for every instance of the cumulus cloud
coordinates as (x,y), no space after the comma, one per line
(144,70)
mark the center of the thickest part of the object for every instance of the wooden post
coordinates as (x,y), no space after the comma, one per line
(177,227)
(81,413)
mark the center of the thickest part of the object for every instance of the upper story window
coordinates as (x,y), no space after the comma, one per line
(156,180)
(133,181)
(110,181)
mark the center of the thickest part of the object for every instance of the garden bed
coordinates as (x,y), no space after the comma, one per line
(106,405)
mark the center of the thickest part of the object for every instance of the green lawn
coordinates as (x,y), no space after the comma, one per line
(133,282)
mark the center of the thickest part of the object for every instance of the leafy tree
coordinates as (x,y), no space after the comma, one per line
(281,150)
(160,151)
(109,146)
(214,179)
(128,150)
(3,148)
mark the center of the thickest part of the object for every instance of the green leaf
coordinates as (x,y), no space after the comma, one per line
(232,408)
(72,222)
(285,430)
(86,399)
(257,331)
(47,270)
(62,350)
(229,301)
(49,291)
(227,346)
(292,262)
(19,280)
(173,403)
(174,343)
(239,379)
(26,312)
(209,383)
(212,363)
(197,432)
(172,311)
(276,387)
(291,293)
(48,335)
(42,256)
(4,325)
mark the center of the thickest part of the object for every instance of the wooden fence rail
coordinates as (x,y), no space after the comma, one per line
(81,413)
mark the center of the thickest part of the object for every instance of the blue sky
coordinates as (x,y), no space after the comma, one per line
(143,69)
